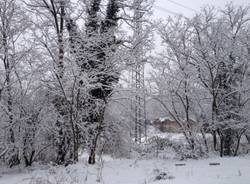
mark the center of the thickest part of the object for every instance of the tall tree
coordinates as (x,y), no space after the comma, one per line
(13,25)
(93,51)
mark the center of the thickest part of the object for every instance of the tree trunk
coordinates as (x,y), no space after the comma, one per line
(221,145)
(237,146)
(92,154)
(228,142)
(98,130)
(61,152)
(214,140)
(91,159)
(29,160)
(205,140)
(76,147)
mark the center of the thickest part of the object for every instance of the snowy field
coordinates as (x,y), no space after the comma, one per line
(126,171)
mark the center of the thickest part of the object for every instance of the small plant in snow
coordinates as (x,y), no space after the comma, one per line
(162,175)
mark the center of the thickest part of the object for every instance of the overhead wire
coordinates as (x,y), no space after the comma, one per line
(183,6)
(172,12)
(168,11)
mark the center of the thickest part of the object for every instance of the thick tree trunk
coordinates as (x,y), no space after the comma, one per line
(228,143)
(91,159)
(61,149)
(29,159)
(92,154)
(96,135)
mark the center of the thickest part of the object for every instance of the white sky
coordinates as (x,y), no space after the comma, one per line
(160,5)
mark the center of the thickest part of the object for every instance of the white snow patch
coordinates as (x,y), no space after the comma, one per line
(127,171)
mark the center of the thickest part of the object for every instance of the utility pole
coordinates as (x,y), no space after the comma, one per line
(138,86)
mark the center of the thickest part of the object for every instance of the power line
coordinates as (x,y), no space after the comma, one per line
(166,10)
(183,6)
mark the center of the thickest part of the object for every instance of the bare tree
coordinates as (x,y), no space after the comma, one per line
(12,31)
(206,48)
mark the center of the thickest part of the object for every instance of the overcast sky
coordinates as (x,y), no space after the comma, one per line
(162,7)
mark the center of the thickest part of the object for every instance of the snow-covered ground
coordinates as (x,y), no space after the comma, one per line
(127,171)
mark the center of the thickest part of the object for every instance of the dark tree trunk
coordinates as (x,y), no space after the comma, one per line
(214,140)
(91,159)
(96,134)
(61,146)
(237,146)
(228,142)
(29,160)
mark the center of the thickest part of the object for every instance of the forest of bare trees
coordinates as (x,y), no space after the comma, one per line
(63,90)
